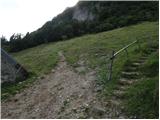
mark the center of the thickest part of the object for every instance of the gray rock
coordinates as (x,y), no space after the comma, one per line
(80,63)
(121,117)
(42,77)
(53,71)
(98,111)
(74,110)
(98,88)
(80,96)
(80,69)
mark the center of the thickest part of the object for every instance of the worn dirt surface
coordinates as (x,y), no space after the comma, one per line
(69,92)
(64,93)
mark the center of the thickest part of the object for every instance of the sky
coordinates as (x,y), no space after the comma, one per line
(22,16)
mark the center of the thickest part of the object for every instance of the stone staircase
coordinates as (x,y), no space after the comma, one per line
(128,77)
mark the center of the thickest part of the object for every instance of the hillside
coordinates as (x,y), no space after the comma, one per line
(85,58)
(85,18)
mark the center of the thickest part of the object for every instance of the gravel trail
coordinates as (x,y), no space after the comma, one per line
(63,93)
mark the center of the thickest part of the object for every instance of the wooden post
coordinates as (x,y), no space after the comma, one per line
(115,54)
(139,47)
(127,53)
(110,68)
(149,41)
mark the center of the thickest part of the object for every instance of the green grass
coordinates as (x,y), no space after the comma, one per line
(143,97)
(94,48)
(150,68)
(9,89)
(38,60)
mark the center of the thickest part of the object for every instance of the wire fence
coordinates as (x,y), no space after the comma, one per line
(114,55)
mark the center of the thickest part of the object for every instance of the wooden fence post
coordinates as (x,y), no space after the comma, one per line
(110,68)
(127,53)
(115,54)
(139,46)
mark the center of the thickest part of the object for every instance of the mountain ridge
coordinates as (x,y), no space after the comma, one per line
(88,17)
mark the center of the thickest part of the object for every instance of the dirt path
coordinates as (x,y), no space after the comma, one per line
(65,93)
(62,94)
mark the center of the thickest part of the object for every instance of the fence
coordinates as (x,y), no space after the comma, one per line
(114,54)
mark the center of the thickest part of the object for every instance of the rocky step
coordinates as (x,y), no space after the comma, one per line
(152,49)
(143,58)
(141,61)
(122,87)
(148,52)
(114,102)
(118,93)
(136,64)
(96,111)
(80,69)
(129,73)
(125,74)
(123,81)
(131,68)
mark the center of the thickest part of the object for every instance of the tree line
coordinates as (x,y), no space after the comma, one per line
(107,15)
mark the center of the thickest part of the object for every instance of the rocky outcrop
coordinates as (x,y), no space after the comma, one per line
(11,71)
(82,14)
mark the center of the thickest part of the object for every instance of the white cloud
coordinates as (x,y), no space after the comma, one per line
(22,16)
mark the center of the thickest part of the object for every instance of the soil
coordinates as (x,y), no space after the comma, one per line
(63,93)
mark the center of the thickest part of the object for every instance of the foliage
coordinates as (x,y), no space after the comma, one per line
(146,90)
(106,15)
(16,40)
(143,100)
(4,43)
(150,68)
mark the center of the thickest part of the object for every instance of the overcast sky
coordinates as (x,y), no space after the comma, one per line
(22,16)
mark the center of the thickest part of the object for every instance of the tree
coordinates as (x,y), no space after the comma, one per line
(106,15)
(4,43)
(3,40)
(16,43)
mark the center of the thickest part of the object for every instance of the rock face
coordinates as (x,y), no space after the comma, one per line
(10,69)
(8,72)
(82,14)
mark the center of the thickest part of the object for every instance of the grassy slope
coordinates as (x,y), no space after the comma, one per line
(41,59)
(146,90)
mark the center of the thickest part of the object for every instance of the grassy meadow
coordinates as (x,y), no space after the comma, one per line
(95,49)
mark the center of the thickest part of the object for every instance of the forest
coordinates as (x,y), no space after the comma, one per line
(85,18)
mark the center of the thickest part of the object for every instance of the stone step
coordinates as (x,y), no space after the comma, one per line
(152,49)
(122,87)
(129,75)
(118,93)
(115,102)
(123,81)
(129,69)
(136,64)
(143,58)
(141,61)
